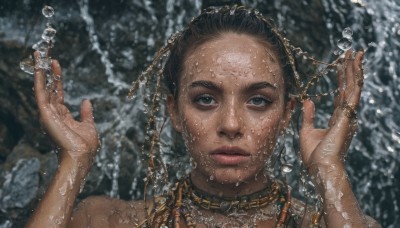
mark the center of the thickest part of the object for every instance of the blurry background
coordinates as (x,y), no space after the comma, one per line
(104,45)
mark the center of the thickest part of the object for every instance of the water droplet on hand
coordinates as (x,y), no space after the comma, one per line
(344,44)
(42,47)
(338,52)
(43,63)
(27,65)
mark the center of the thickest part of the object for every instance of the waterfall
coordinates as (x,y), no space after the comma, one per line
(104,45)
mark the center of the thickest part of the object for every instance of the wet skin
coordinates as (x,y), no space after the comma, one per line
(230,109)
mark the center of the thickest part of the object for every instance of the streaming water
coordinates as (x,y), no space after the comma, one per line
(116,42)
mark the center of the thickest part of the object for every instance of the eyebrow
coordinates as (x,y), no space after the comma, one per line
(205,84)
(259,85)
(251,87)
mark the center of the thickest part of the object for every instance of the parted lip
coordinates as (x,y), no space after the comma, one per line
(230,150)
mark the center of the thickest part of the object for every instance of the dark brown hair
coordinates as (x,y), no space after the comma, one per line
(213,22)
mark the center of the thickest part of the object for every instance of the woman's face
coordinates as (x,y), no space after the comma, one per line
(231,107)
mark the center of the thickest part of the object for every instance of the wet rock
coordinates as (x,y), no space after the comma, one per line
(48,167)
(5,147)
(20,185)
(6,224)
(21,151)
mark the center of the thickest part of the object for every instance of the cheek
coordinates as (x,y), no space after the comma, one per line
(266,132)
(194,129)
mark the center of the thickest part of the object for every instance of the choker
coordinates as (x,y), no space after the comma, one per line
(170,211)
(229,204)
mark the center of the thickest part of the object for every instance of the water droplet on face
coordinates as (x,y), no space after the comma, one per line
(344,44)
(211,177)
(48,11)
(347,33)
(48,34)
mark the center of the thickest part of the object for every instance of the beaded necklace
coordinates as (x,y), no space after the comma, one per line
(170,211)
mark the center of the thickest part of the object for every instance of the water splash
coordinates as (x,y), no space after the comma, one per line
(49,34)
(347,33)
(374,146)
(48,11)
(104,56)
(43,47)
(344,44)
(27,65)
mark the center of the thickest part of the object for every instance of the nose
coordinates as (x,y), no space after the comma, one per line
(231,122)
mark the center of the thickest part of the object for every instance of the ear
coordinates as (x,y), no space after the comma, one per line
(287,115)
(172,106)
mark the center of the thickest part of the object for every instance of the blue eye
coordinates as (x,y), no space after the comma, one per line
(205,100)
(259,101)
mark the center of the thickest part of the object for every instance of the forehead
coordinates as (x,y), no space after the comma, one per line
(233,55)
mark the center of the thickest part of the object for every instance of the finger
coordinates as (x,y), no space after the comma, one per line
(308,114)
(57,95)
(349,74)
(341,85)
(334,117)
(40,83)
(87,112)
(358,79)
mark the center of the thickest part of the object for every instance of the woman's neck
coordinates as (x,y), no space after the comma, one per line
(221,189)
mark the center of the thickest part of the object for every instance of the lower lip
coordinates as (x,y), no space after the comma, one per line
(229,159)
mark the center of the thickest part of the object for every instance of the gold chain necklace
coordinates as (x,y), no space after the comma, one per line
(172,211)
(228,204)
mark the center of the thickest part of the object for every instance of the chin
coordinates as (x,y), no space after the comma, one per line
(235,176)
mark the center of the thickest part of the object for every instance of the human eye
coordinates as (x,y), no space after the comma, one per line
(259,101)
(205,101)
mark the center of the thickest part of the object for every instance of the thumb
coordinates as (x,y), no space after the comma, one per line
(308,114)
(86,111)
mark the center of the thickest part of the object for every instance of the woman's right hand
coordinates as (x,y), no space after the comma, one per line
(76,140)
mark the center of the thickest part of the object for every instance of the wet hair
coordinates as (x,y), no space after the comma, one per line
(216,21)
(167,66)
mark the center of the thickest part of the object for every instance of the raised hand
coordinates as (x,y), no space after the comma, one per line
(77,142)
(75,139)
(323,150)
(329,146)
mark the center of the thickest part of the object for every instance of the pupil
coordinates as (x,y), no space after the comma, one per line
(207,100)
(257,100)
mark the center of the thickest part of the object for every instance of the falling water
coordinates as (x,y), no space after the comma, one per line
(84,10)
(103,48)
(374,157)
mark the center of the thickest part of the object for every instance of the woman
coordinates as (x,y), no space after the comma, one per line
(231,79)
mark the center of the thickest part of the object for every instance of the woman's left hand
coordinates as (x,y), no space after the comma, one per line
(324,147)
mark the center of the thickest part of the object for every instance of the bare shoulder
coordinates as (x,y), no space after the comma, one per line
(103,211)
